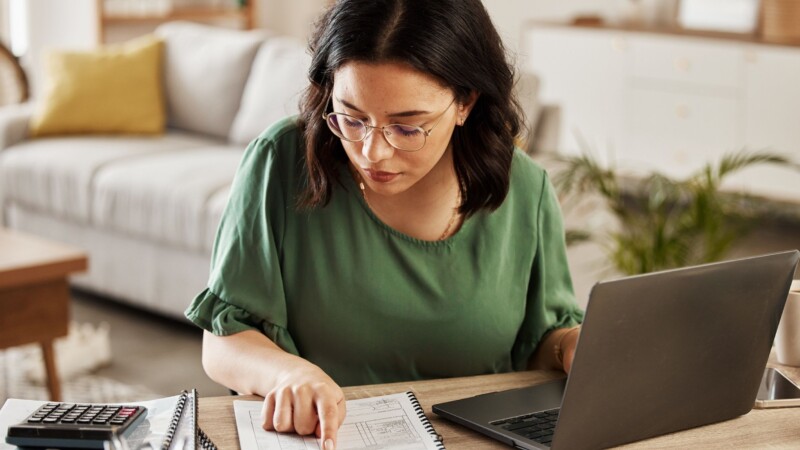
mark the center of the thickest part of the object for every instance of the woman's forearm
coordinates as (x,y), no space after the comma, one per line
(247,362)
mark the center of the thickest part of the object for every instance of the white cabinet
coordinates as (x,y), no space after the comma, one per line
(682,104)
(772,95)
(671,131)
(584,75)
(670,102)
(772,116)
(687,61)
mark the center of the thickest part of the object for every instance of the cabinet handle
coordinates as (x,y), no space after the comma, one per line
(680,157)
(683,64)
(682,111)
(619,44)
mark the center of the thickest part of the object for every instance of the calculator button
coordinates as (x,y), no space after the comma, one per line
(34,420)
(50,420)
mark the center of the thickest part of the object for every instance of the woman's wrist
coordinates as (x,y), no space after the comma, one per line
(549,354)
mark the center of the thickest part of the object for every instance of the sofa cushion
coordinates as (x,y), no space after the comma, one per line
(205,69)
(55,175)
(213,215)
(277,79)
(116,89)
(164,197)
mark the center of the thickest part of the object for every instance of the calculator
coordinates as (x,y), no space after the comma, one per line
(70,425)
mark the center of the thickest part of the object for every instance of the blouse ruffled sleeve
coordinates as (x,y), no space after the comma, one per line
(211,313)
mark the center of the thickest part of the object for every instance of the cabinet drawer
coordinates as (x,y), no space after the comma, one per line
(678,133)
(687,60)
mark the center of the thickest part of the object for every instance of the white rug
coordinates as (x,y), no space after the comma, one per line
(83,351)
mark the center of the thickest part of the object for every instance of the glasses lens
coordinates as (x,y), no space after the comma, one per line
(346,127)
(405,137)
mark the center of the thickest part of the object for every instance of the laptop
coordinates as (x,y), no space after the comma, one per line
(657,353)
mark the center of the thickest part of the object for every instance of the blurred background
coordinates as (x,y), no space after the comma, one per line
(669,126)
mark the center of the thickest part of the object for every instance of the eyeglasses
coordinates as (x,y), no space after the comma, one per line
(407,138)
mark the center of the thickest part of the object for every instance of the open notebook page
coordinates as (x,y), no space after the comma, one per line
(386,422)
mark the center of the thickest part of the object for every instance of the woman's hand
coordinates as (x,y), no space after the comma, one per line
(556,350)
(568,344)
(305,400)
(298,395)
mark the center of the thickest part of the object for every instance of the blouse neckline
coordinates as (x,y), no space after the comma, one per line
(353,190)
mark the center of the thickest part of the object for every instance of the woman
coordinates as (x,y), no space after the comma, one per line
(391,232)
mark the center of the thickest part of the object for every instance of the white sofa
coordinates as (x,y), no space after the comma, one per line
(146,208)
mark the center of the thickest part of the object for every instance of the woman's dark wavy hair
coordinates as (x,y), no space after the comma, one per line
(451,40)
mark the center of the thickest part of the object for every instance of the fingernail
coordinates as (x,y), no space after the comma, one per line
(329,444)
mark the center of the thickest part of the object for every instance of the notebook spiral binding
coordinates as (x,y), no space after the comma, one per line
(425,422)
(176,418)
(203,441)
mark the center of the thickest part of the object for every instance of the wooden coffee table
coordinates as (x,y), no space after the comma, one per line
(34,294)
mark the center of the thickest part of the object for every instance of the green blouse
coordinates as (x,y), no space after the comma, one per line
(369,304)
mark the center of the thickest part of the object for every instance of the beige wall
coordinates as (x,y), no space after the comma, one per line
(510,16)
(295,17)
(4,22)
(291,17)
(57,24)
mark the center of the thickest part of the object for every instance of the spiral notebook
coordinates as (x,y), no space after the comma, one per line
(171,424)
(386,422)
(183,431)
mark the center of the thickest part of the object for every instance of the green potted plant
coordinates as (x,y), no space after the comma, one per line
(663,222)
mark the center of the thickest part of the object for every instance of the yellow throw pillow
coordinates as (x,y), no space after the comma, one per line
(116,89)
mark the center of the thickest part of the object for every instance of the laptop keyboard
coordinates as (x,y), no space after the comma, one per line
(538,426)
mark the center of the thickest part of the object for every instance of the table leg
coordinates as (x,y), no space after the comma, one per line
(53,384)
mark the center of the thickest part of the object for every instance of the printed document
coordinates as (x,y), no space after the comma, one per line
(387,422)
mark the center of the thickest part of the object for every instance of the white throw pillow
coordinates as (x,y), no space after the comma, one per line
(277,80)
(205,69)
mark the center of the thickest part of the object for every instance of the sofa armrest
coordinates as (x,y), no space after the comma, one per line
(14,124)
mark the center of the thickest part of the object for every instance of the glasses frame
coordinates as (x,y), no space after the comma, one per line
(369,128)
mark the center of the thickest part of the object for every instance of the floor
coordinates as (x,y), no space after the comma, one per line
(160,354)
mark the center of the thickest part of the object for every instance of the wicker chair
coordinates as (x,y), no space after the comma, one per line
(13,82)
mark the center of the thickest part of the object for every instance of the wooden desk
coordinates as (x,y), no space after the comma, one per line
(773,428)
(34,294)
